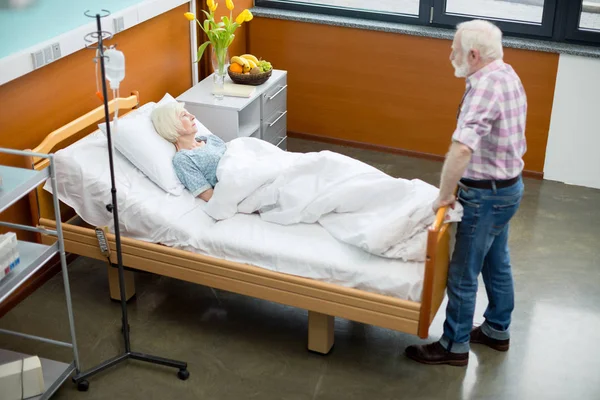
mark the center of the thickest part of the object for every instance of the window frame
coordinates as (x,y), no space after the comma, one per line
(560,19)
(297,5)
(572,29)
(521,28)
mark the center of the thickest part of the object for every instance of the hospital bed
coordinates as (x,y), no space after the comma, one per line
(300,266)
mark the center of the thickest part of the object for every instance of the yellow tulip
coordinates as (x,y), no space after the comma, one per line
(189,16)
(229,4)
(241,18)
(244,16)
(214,7)
(210,4)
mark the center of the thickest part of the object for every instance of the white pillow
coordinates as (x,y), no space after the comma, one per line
(139,142)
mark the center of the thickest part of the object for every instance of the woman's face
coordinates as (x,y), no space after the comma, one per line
(188,126)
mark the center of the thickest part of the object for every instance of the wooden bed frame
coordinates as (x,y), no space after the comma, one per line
(323,301)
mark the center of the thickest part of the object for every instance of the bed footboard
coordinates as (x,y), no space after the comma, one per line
(436,272)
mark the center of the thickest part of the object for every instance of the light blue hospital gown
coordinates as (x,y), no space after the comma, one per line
(197,168)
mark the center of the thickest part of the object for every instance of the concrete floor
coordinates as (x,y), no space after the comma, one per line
(243,348)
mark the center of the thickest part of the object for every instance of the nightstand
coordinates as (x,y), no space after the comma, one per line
(263,115)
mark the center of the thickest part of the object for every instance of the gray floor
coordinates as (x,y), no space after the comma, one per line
(243,348)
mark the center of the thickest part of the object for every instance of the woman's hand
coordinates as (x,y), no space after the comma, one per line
(206,195)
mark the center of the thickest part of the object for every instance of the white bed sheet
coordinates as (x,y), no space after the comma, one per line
(148,213)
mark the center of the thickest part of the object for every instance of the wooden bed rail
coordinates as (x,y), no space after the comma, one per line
(77,125)
(160,253)
(436,271)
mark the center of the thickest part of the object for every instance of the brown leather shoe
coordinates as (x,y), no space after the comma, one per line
(435,354)
(477,336)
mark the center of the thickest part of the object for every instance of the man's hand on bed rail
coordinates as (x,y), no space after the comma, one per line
(449,201)
(440,208)
(441,215)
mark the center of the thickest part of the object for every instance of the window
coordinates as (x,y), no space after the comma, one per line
(590,15)
(526,17)
(583,22)
(558,20)
(407,11)
(409,7)
(524,11)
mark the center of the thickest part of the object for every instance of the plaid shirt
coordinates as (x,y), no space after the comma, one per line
(491,122)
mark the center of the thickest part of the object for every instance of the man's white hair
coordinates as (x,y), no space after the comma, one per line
(166,120)
(483,36)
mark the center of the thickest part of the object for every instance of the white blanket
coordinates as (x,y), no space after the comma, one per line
(356,203)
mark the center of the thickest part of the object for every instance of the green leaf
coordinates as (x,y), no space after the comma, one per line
(201,27)
(206,26)
(201,50)
(207,15)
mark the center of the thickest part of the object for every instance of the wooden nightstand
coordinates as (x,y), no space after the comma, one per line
(264,115)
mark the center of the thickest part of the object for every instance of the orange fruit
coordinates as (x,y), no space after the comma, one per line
(235,67)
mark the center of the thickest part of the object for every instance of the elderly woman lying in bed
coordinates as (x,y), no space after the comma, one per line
(355,202)
(197,157)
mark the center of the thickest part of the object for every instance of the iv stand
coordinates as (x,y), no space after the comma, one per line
(80,378)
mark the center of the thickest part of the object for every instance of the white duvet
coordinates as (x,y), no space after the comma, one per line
(356,203)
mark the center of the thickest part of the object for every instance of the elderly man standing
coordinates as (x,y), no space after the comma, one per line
(486,157)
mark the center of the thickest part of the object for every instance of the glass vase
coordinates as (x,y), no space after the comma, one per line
(220,63)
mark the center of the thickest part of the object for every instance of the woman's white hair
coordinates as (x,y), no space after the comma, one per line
(483,36)
(166,120)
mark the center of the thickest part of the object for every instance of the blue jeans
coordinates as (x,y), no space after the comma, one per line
(481,247)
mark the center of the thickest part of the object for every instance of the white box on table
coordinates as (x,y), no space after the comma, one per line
(9,254)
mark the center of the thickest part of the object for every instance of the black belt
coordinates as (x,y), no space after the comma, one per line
(489,183)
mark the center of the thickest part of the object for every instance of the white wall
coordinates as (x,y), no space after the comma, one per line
(573,151)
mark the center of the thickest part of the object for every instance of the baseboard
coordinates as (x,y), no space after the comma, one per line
(386,149)
(34,282)
(533,174)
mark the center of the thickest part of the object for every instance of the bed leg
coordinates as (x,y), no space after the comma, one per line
(113,284)
(320,332)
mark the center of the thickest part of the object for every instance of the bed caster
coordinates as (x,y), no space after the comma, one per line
(183,374)
(83,386)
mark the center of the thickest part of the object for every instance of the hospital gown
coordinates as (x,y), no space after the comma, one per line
(197,168)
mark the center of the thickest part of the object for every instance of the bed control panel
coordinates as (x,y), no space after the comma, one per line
(102,242)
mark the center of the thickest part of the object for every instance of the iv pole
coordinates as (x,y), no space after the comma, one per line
(80,378)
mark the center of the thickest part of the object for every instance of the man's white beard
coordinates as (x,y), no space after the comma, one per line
(461,70)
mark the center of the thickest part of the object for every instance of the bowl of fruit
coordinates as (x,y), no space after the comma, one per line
(249,70)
